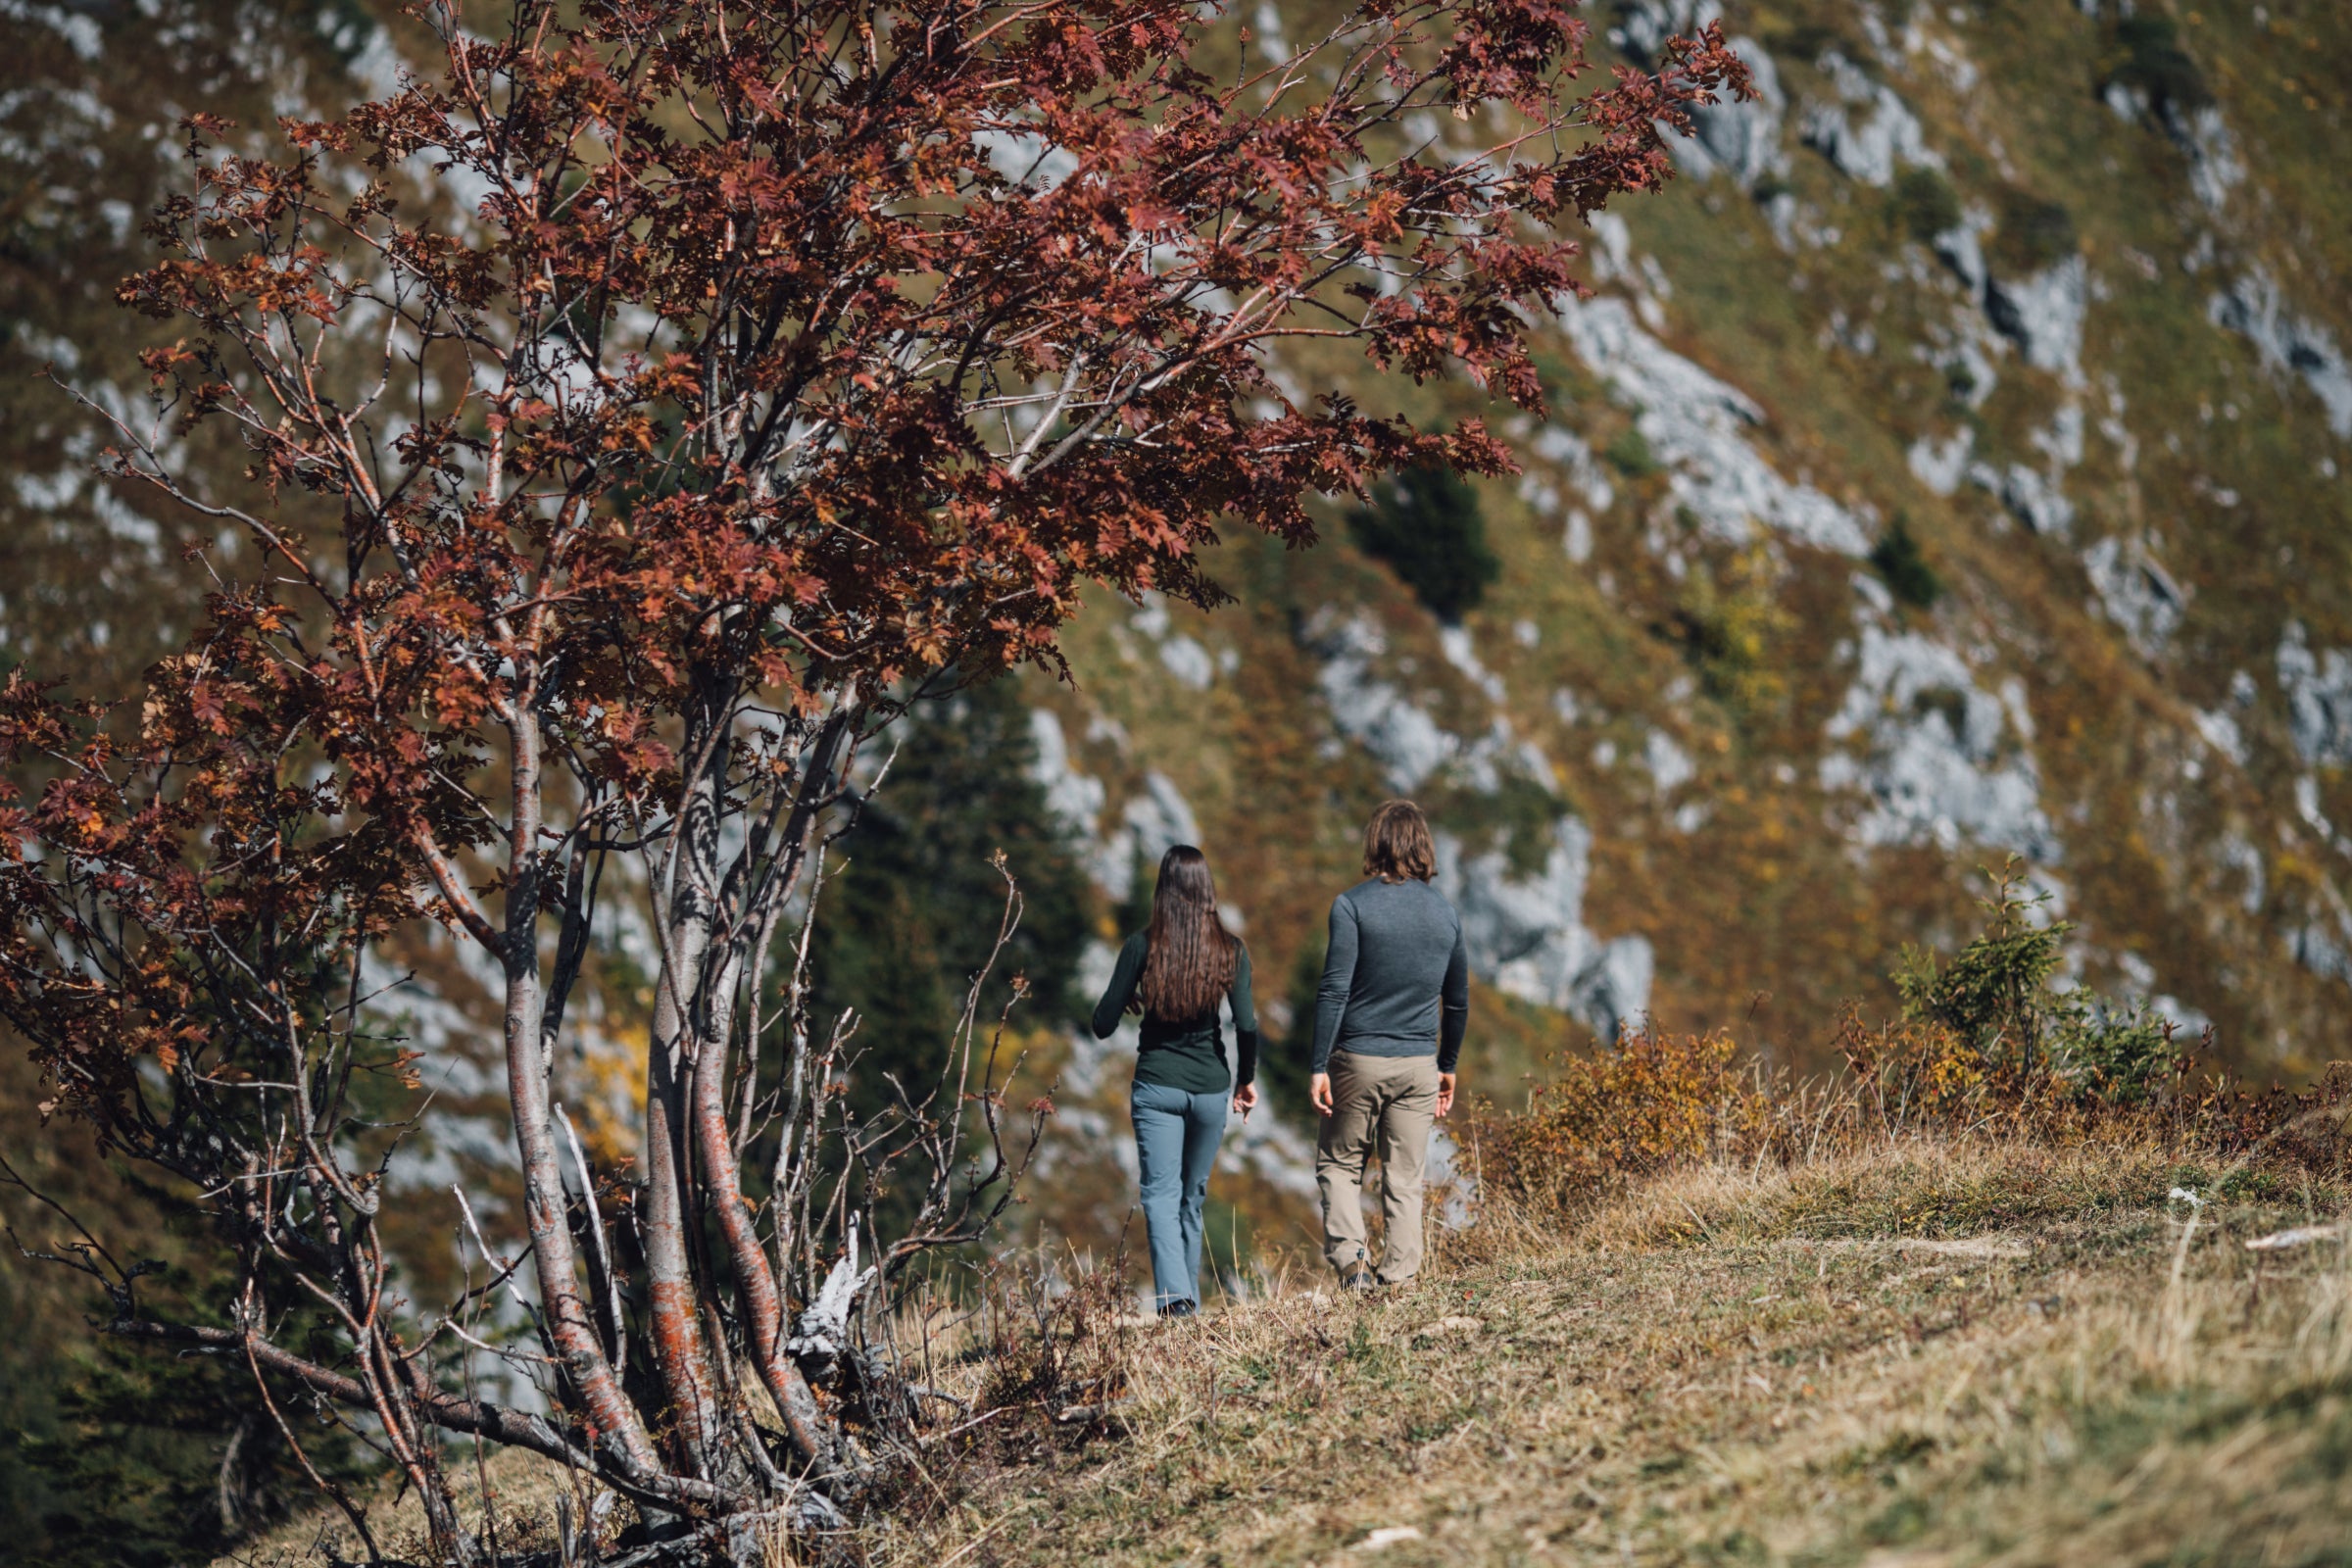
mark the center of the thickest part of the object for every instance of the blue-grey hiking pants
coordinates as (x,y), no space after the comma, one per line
(1176,1138)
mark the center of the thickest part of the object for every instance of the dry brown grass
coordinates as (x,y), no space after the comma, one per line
(526,1498)
(1935,1353)
(1922,1351)
(1658,1102)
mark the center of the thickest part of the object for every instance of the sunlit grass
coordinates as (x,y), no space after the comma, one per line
(1722,1365)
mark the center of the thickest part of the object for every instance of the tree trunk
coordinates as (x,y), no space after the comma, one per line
(568,1321)
(681,1357)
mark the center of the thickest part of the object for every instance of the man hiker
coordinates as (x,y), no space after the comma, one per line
(1389,1022)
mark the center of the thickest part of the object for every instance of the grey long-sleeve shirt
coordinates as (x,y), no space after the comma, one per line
(1397,977)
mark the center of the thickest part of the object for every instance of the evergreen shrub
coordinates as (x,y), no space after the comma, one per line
(1905,570)
(1425,524)
(2152,60)
(2031,233)
(1925,203)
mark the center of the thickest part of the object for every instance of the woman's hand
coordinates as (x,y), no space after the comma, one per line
(1444,1093)
(1318,1089)
(1245,1100)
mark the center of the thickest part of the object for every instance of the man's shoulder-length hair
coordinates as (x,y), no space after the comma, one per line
(1397,844)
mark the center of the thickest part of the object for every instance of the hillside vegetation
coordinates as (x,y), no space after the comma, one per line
(1950,464)
(1928,1354)
(2020,1283)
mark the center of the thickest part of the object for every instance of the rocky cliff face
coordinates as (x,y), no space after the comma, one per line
(2059,290)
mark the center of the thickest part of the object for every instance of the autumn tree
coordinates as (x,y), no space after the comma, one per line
(780,366)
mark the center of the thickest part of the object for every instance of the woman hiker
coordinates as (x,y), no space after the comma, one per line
(1175,973)
(1389,1022)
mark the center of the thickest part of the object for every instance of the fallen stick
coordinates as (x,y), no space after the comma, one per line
(2300,1236)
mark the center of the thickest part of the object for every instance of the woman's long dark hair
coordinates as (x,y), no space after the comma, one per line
(1187,953)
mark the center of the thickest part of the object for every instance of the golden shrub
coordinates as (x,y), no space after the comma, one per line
(1657,1101)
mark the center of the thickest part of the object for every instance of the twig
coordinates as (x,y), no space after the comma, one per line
(596,1236)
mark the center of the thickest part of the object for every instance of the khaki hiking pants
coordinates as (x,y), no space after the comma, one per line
(1385,1103)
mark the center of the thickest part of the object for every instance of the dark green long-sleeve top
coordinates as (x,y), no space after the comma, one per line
(1186,1055)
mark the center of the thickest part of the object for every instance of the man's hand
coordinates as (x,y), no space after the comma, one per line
(1444,1093)
(1318,1089)
(1245,1100)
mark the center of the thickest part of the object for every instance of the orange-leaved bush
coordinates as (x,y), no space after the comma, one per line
(1651,1102)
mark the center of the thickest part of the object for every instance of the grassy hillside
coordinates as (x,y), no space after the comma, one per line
(1930,1353)
(1926,1355)
(2006,1288)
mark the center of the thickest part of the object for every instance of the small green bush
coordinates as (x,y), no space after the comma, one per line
(2031,233)
(1808,41)
(1899,562)
(1925,204)
(1996,995)
(1730,631)
(1631,455)
(142,1460)
(2153,61)
(1564,382)
(1951,704)
(1425,524)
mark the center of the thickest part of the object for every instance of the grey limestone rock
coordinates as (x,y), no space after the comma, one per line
(1695,426)
(2042,315)
(2032,499)
(1934,757)
(1869,132)
(1406,740)
(1962,249)
(2215,168)
(1743,140)
(2136,592)
(1646,24)
(1526,933)
(2318,698)
(2254,308)
(1146,825)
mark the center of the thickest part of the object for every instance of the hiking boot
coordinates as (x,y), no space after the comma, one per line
(1358,1278)
(1180,1308)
